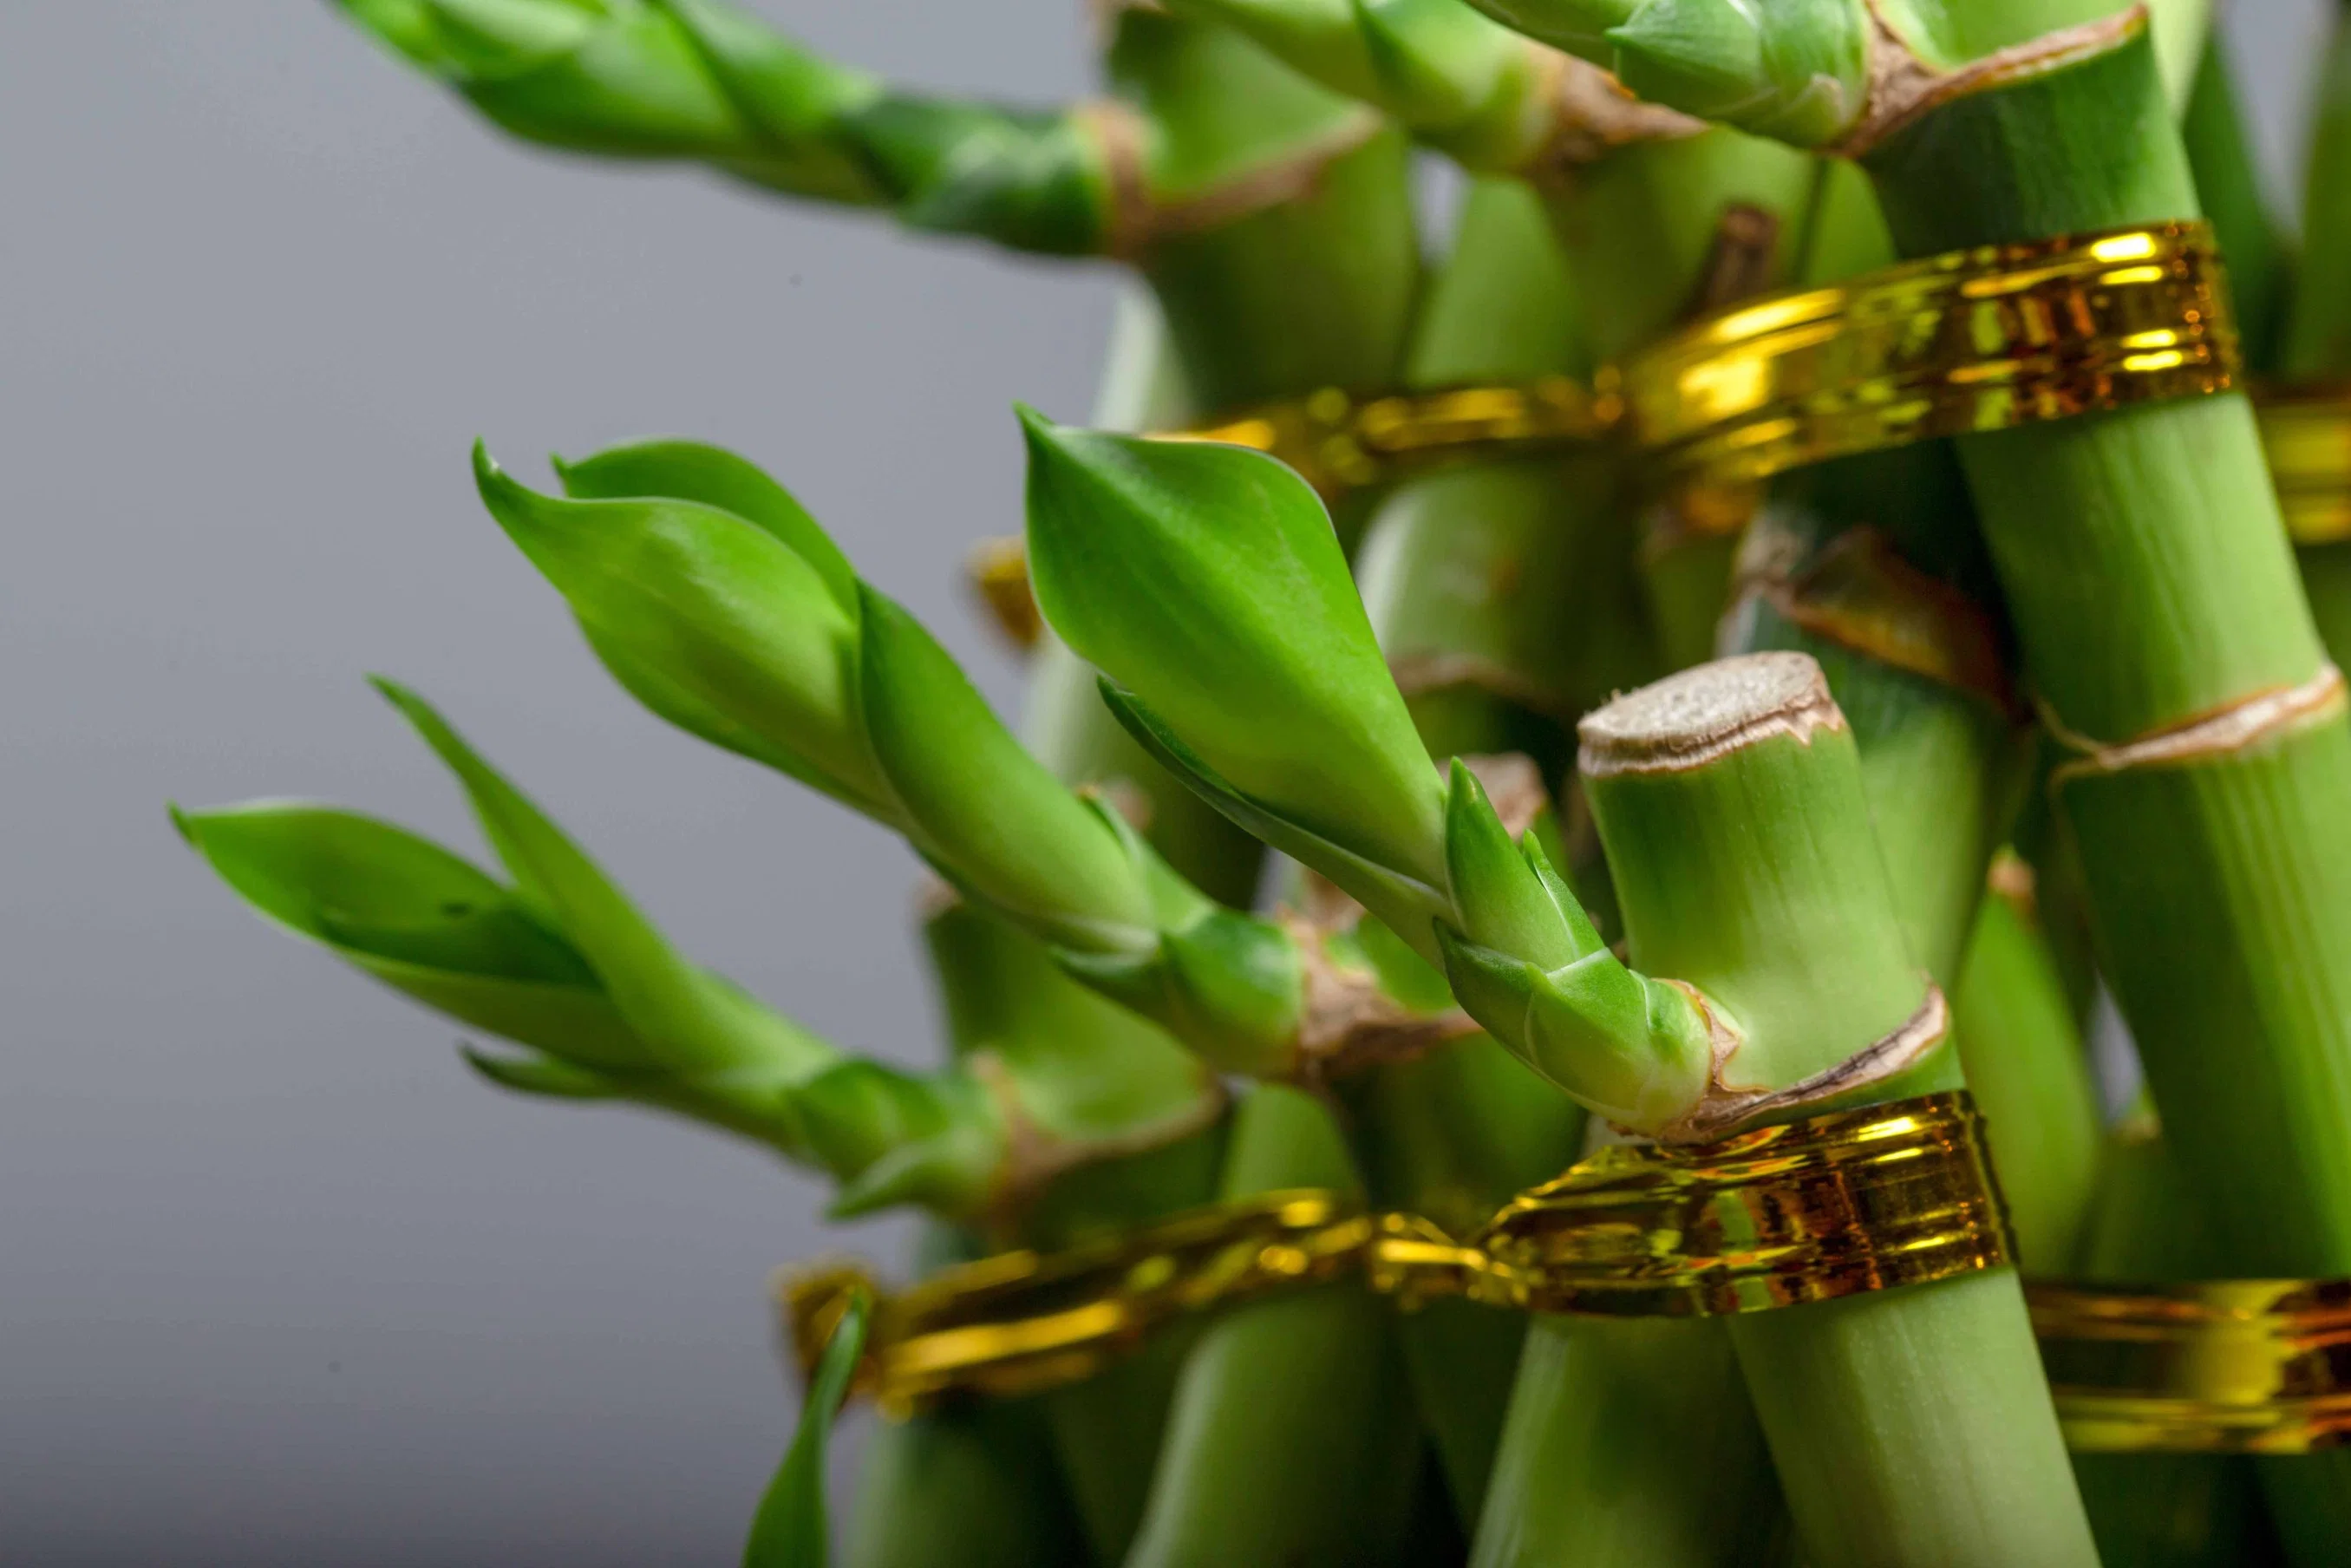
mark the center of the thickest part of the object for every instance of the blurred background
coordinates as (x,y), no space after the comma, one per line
(281,1283)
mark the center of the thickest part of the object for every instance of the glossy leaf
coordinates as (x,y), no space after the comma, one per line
(978,804)
(1205,581)
(790,1529)
(711,618)
(689,1020)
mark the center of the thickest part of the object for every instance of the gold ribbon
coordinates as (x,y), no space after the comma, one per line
(1972,340)
(1339,441)
(2257,1366)
(2306,431)
(1827,1206)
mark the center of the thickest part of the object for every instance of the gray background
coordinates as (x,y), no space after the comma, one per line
(279,1282)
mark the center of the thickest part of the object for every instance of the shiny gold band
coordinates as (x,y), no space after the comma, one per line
(1827,1206)
(1973,340)
(1338,441)
(2307,434)
(2216,1366)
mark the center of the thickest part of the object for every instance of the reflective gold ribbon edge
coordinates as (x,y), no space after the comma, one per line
(1812,1211)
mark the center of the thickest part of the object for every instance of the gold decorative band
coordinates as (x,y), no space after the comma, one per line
(1338,441)
(2257,1366)
(2307,432)
(1827,1206)
(1972,340)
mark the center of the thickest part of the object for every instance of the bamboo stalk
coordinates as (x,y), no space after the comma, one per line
(972,1485)
(1285,1446)
(1887,1455)
(1730,862)
(1474,580)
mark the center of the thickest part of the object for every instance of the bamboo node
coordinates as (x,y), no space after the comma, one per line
(2217,736)
(1725,1108)
(1904,89)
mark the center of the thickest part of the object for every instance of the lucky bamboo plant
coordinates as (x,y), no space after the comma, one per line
(1512,911)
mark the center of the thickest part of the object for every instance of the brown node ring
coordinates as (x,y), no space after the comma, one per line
(2212,737)
(1904,89)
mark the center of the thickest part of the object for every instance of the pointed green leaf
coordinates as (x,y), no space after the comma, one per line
(712,621)
(1630,1048)
(1406,904)
(790,1529)
(1499,898)
(1795,70)
(486,39)
(1082,1065)
(1207,581)
(541,1076)
(977,802)
(417,918)
(689,1020)
(716,478)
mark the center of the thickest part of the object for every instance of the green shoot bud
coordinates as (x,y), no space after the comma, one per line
(1205,581)
(737,626)
(981,807)
(1634,1049)
(703,80)
(1795,71)
(561,963)
(689,1021)
(420,919)
(1501,900)
(1579,27)
(895,1137)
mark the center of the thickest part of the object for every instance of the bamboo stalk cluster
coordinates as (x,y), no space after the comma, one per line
(1605,803)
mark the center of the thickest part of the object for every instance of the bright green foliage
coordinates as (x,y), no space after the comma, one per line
(1222,577)
(560,961)
(700,80)
(790,1529)
(1795,70)
(1628,1046)
(1204,582)
(1449,75)
(715,600)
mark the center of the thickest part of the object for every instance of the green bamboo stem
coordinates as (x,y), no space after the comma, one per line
(2030,1076)
(1886,1456)
(2151,585)
(2164,1510)
(972,1484)
(1623,1447)
(2139,609)
(1289,1445)
(2315,344)
(1475,580)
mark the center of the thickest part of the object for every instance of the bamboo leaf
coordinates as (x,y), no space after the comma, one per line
(1403,903)
(716,478)
(417,918)
(691,1022)
(978,803)
(1500,897)
(790,1529)
(714,620)
(1205,581)
(541,1076)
